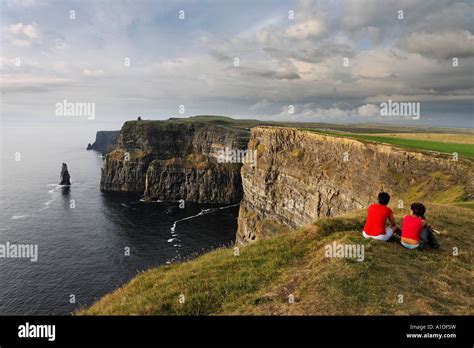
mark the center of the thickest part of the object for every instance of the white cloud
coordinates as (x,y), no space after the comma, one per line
(22,82)
(93,72)
(311,112)
(7,63)
(23,3)
(368,110)
(306,30)
(20,43)
(28,30)
(467,95)
(442,45)
(22,35)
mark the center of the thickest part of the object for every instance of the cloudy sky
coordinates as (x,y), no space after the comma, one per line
(332,61)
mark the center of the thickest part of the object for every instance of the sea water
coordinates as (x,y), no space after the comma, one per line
(88,242)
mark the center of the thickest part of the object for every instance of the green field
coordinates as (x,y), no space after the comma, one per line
(463,150)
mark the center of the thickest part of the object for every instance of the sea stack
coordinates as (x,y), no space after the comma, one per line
(65,177)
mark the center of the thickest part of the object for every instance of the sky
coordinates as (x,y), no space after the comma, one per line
(312,61)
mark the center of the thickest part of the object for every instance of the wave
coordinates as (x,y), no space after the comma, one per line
(203,212)
(174,234)
(17,217)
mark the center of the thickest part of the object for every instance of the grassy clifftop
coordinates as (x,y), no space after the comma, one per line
(462,144)
(267,273)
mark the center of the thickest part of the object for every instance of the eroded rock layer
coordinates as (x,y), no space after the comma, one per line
(302,176)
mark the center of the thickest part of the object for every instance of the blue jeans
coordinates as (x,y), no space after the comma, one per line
(427,237)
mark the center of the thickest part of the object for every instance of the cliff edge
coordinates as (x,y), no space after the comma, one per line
(105,141)
(171,160)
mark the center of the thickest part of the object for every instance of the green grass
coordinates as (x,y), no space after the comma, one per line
(469,205)
(261,279)
(464,150)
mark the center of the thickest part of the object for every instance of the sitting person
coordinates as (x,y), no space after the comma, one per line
(377,215)
(416,232)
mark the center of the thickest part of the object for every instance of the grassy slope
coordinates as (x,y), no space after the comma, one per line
(260,280)
(465,150)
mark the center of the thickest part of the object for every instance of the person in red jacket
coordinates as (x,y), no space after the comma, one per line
(416,231)
(377,216)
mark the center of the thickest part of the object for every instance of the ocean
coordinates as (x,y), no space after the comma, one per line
(88,242)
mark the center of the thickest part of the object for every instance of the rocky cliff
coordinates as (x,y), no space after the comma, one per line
(172,160)
(105,141)
(301,177)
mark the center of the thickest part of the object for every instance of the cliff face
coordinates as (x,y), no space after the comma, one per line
(175,160)
(105,141)
(197,178)
(301,177)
